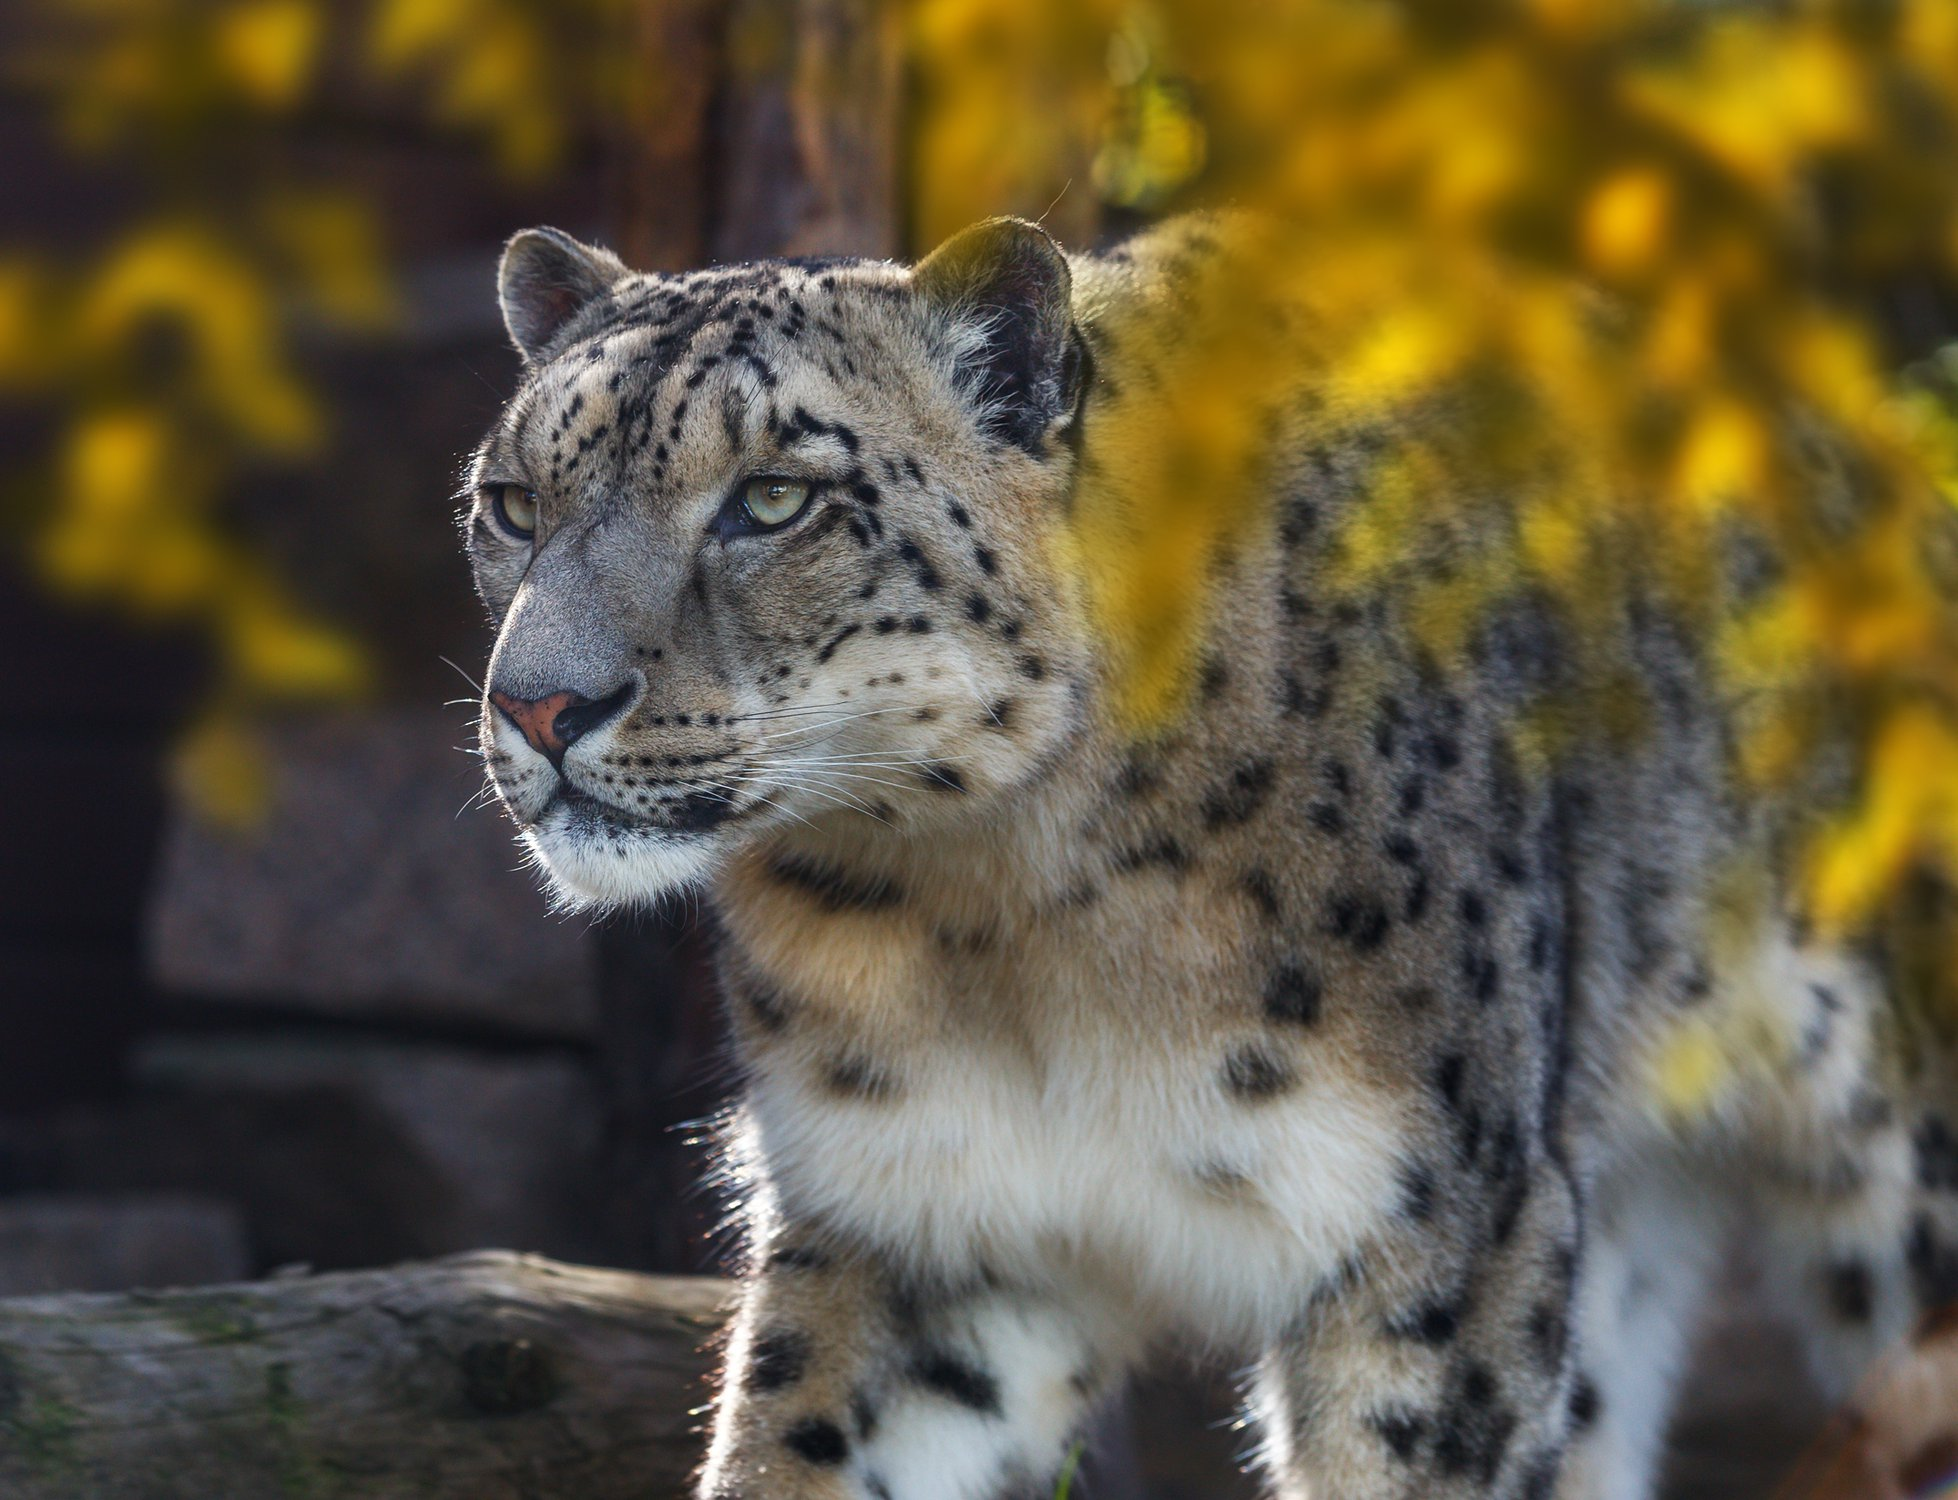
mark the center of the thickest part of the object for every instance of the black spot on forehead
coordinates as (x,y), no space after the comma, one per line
(662,336)
(741,300)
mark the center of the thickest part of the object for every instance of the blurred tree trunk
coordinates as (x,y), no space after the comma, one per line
(664,198)
(488,1376)
(764,127)
(809,129)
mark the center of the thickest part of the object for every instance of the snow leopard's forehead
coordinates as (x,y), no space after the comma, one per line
(746,346)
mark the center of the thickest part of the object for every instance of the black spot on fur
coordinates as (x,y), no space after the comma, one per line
(834,889)
(1585,1404)
(1418,1191)
(1933,1264)
(957,1380)
(1138,777)
(1937,1155)
(1301,517)
(830,647)
(797,1258)
(1263,891)
(817,1441)
(1327,818)
(1549,1333)
(1448,1078)
(1163,851)
(1252,1073)
(778,1359)
(863,1413)
(858,1077)
(1476,1429)
(1292,995)
(701,810)
(921,567)
(770,1010)
(1239,799)
(1433,1324)
(1419,894)
(1295,698)
(1359,918)
(1851,1293)
(1401,1430)
(1540,1477)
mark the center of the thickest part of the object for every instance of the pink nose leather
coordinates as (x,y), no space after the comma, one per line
(537,718)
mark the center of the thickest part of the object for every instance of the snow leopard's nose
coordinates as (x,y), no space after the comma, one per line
(553,723)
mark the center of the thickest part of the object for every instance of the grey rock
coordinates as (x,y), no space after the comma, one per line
(369,889)
(482,1149)
(77,1242)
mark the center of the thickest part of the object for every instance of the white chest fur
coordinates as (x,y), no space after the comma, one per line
(1114,1168)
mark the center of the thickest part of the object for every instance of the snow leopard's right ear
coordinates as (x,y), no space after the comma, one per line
(546,278)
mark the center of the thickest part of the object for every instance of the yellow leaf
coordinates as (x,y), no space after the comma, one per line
(1626,221)
(268,47)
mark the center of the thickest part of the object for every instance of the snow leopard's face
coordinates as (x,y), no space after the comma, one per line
(773,543)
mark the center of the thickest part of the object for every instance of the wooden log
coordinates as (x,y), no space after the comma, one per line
(488,1376)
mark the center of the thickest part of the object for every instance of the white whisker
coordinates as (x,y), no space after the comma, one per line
(462,674)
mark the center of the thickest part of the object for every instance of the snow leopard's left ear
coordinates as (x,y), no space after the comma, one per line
(1008,283)
(545,280)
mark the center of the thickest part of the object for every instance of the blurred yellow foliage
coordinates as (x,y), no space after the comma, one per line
(268,47)
(503,67)
(1675,233)
(169,353)
(1672,233)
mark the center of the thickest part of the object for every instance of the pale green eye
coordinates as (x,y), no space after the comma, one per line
(774,502)
(516,508)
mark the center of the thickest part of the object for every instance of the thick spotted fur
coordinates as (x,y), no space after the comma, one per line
(1333,1024)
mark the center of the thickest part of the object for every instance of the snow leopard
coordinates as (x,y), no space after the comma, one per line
(1333,1018)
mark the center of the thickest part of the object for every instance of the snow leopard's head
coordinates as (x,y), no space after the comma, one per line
(772,544)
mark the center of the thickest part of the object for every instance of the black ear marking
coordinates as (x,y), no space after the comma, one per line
(1009,278)
(545,279)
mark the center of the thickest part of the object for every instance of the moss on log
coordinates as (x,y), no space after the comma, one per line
(488,1376)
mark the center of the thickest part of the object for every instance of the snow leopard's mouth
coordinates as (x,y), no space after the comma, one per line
(694,813)
(595,853)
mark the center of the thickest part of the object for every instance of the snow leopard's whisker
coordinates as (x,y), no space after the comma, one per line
(463,675)
(810,783)
(835,723)
(873,760)
(786,713)
(852,776)
(819,792)
(483,795)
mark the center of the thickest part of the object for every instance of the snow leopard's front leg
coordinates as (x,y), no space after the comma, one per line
(843,1379)
(1442,1369)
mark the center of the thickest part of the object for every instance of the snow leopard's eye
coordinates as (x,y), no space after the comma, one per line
(770,501)
(515,507)
(765,502)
